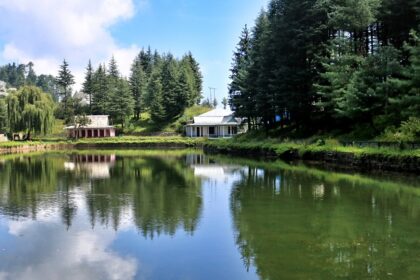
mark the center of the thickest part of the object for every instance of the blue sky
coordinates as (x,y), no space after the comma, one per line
(46,31)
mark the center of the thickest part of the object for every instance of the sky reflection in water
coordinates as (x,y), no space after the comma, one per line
(181,215)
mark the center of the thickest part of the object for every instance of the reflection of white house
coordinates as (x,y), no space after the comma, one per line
(97,166)
(216,123)
(97,128)
(205,168)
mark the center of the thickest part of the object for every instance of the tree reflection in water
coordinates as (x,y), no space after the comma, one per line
(301,225)
(159,193)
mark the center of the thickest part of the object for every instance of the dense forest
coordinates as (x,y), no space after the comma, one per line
(159,84)
(18,75)
(322,66)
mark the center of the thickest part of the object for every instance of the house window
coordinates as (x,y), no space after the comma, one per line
(212,130)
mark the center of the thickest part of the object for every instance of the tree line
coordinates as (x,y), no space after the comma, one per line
(324,65)
(18,75)
(159,84)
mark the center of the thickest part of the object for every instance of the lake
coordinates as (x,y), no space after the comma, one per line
(185,215)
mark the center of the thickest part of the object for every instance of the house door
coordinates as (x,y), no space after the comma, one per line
(198,132)
(212,131)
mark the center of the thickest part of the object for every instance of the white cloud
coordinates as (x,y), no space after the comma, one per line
(47,31)
(74,253)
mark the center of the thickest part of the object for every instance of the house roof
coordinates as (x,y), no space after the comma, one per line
(216,117)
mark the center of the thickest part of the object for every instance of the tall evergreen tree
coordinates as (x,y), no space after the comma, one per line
(407,102)
(138,84)
(122,103)
(238,94)
(157,108)
(65,79)
(100,97)
(88,84)
(170,87)
(31,77)
(113,71)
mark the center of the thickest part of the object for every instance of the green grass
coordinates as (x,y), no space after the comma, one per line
(125,141)
(145,125)
(253,143)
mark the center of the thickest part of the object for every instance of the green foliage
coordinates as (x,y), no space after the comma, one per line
(65,80)
(100,95)
(3,116)
(138,84)
(408,131)
(88,84)
(30,110)
(122,103)
(325,65)
(157,107)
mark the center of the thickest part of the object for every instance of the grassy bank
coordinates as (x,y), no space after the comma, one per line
(119,142)
(277,147)
(324,151)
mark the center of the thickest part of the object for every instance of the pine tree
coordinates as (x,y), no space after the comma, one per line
(238,90)
(169,78)
(100,97)
(259,73)
(157,108)
(138,84)
(196,79)
(88,85)
(407,102)
(65,79)
(31,77)
(113,71)
(122,103)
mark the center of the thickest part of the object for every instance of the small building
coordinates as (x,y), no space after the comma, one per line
(3,89)
(97,128)
(214,124)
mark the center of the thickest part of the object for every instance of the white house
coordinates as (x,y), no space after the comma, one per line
(97,128)
(3,89)
(214,124)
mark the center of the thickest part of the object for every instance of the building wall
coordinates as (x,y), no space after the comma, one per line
(98,121)
(92,132)
(220,131)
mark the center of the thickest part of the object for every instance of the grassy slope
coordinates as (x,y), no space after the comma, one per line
(146,126)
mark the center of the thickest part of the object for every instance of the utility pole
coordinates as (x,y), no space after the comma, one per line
(212,91)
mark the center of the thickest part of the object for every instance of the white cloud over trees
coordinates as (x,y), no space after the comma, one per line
(47,31)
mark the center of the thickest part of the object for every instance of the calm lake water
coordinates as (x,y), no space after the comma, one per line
(184,215)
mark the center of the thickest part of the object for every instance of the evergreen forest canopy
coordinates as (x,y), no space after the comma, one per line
(159,84)
(329,65)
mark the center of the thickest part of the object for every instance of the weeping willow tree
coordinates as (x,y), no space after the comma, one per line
(30,110)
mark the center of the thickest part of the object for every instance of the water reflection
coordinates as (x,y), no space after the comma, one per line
(298,224)
(159,194)
(157,214)
(207,168)
(96,166)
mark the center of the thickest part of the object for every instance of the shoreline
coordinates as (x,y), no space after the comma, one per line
(362,159)
(358,160)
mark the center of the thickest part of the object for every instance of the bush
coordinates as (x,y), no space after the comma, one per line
(408,131)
